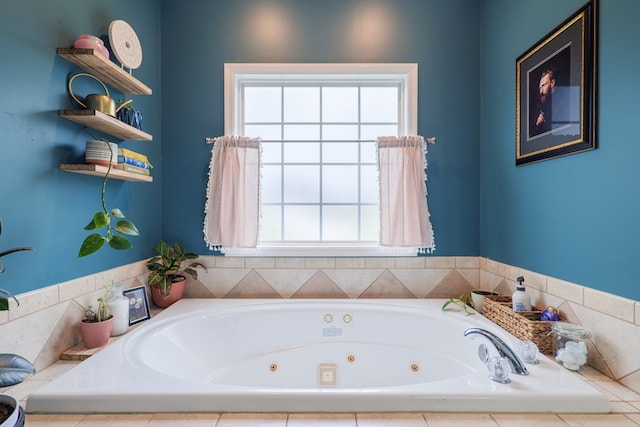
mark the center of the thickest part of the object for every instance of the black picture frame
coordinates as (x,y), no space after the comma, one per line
(138,304)
(556,91)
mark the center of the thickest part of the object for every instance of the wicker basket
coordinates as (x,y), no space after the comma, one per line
(524,325)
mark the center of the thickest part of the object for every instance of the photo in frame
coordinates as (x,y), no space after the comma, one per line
(138,304)
(556,91)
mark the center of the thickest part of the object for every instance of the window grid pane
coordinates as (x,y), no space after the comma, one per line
(308,208)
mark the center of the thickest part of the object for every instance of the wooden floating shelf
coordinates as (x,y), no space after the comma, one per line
(104,69)
(105,123)
(98,170)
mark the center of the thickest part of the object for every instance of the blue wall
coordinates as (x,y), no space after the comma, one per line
(199,36)
(576,217)
(41,206)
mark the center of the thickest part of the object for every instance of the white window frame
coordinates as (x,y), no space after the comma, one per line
(236,73)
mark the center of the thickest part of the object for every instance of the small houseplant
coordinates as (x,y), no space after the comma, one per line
(96,324)
(4,294)
(13,368)
(166,272)
(101,219)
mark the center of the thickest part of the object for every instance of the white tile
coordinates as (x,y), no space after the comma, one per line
(380,262)
(467,262)
(390,420)
(610,304)
(258,262)
(421,282)
(322,420)
(286,281)
(471,275)
(320,263)
(33,301)
(353,281)
(230,262)
(410,262)
(65,420)
(597,420)
(252,420)
(440,262)
(623,408)
(183,420)
(620,391)
(115,420)
(460,420)
(565,290)
(528,420)
(290,262)
(77,287)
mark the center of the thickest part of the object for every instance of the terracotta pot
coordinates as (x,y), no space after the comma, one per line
(177,290)
(96,334)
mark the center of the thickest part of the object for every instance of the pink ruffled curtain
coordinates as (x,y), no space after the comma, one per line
(404,214)
(232,208)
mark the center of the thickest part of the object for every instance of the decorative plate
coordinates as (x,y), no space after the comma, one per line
(125,44)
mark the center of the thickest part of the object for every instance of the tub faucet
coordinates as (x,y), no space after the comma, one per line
(503,349)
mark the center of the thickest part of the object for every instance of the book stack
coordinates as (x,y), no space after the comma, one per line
(132,161)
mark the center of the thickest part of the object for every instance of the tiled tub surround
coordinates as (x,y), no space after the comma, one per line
(45,323)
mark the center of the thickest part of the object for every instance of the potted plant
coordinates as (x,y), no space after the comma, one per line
(4,294)
(97,324)
(101,219)
(13,368)
(166,277)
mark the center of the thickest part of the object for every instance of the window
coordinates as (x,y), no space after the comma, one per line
(318,124)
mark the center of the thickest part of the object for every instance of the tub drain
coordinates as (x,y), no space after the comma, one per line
(273,367)
(351,357)
(414,367)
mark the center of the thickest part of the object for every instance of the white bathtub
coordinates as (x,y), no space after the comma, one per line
(218,355)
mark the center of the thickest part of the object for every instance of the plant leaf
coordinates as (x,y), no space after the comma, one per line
(91,244)
(126,227)
(119,242)
(117,213)
(101,219)
(14,369)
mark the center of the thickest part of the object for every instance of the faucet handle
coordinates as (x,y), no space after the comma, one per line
(528,352)
(499,369)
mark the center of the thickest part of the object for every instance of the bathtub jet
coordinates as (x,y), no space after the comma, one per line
(219,355)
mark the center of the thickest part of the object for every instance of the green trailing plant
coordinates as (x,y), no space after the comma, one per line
(167,267)
(4,294)
(462,301)
(103,220)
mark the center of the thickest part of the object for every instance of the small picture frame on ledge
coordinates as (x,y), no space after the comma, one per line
(138,304)
(556,91)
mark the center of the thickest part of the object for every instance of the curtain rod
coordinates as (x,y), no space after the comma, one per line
(430,140)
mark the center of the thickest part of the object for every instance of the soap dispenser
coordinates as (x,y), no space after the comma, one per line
(521,300)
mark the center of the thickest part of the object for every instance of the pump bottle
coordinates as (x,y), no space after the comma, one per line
(521,300)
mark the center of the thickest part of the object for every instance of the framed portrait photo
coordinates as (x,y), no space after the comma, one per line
(556,91)
(138,304)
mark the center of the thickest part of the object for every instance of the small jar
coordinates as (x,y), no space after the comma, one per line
(119,308)
(569,344)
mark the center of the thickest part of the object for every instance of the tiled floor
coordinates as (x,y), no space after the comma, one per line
(625,412)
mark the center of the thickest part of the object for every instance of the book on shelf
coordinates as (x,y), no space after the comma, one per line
(124,152)
(134,162)
(132,168)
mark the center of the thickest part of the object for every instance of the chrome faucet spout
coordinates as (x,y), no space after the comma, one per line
(517,366)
